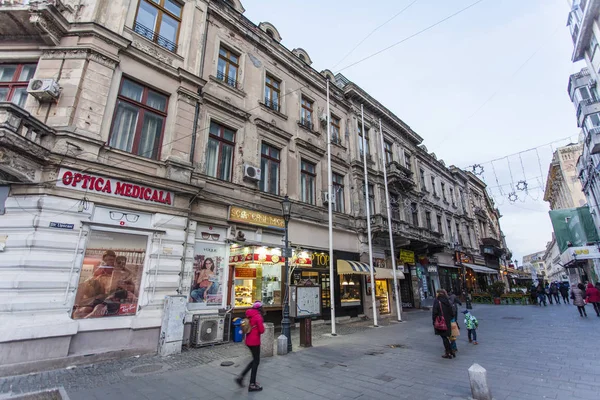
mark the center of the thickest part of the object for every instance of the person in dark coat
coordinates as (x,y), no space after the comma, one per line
(554,292)
(442,307)
(564,292)
(541,293)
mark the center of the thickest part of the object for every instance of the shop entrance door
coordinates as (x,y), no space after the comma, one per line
(325,295)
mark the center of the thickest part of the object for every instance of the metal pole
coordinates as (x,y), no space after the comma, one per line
(464,274)
(330,191)
(364,136)
(389,216)
(285,323)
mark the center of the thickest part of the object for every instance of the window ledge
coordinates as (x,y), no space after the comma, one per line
(161,53)
(232,89)
(341,146)
(306,128)
(135,156)
(269,109)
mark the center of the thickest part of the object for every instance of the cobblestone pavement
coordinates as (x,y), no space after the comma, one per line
(529,352)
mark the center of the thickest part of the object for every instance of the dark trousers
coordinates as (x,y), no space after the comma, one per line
(581,310)
(472,332)
(255,350)
(549,296)
(597,308)
(565,298)
(542,299)
(447,347)
(556,298)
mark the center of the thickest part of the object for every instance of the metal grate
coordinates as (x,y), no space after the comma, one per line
(155,37)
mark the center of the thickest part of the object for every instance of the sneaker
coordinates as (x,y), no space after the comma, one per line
(240,381)
(475,343)
(254,388)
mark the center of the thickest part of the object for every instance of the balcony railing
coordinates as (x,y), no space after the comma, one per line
(585,103)
(155,37)
(227,79)
(273,105)
(307,123)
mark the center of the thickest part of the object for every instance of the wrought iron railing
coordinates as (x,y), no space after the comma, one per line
(227,79)
(155,37)
(273,105)
(307,123)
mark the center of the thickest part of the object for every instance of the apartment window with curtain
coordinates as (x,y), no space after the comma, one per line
(414,210)
(272,92)
(14,79)
(308,177)
(228,66)
(428,220)
(439,224)
(338,192)
(335,130)
(269,166)
(159,21)
(408,161)
(360,140)
(219,154)
(389,155)
(306,113)
(139,120)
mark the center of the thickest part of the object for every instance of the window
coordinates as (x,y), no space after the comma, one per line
(433,186)
(308,177)
(415,214)
(14,79)
(592,121)
(228,66)
(593,47)
(139,120)
(462,200)
(428,220)
(395,206)
(158,21)
(482,227)
(306,113)
(219,155)
(468,236)
(449,229)
(439,224)
(452,197)
(269,166)
(371,199)
(444,191)
(338,191)
(335,130)
(408,161)
(360,140)
(389,155)
(458,235)
(272,92)
(422,175)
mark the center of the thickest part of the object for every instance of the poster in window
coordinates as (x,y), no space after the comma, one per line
(207,281)
(111,274)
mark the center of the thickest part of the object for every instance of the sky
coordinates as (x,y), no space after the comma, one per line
(487,84)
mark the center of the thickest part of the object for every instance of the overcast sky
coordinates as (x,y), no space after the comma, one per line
(516,52)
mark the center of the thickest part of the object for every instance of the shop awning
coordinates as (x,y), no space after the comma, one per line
(353,267)
(386,273)
(480,269)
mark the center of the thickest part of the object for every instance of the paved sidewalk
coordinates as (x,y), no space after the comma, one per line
(530,353)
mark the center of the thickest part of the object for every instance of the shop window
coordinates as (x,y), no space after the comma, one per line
(158,21)
(207,280)
(219,155)
(14,79)
(308,176)
(382,295)
(111,274)
(269,165)
(257,276)
(350,289)
(338,190)
(139,120)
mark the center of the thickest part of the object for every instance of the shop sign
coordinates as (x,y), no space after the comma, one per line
(126,218)
(248,273)
(112,187)
(406,257)
(479,260)
(460,257)
(251,217)
(255,254)
(320,260)
(61,225)
(432,268)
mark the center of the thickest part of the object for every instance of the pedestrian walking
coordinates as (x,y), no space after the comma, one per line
(564,292)
(578,296)
(547,291)
(257,328)
(533,294)
(471,323)
(541,295)
(453,298)
(554,292)
(442,317)
(455,328)
(592,295)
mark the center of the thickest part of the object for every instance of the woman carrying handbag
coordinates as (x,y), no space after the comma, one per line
(442,317)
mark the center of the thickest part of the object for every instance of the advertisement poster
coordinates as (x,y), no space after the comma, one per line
(111,275)
(207,281)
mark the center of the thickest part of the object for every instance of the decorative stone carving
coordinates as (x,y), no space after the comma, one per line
(48,29)
(152,51)
(80,53)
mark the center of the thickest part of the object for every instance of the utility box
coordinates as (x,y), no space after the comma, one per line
(171,329)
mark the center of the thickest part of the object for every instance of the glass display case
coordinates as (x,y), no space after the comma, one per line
(350,288)
(382,295)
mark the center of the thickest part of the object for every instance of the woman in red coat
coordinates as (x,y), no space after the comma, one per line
(257,328)
(593,296)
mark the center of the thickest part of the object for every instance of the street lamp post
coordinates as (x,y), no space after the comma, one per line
(458,255)
(286,209)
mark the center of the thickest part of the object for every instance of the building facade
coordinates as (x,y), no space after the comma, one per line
(563,188)
(146,149)
(535,265)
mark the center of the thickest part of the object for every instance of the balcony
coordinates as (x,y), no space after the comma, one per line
(228,80)
(155,37)
(480,213)
(273,105)
(38,20)
(593,136)
(585,108)
(379,225)
(306,123)
(400,177)
(579,79)
(586,14)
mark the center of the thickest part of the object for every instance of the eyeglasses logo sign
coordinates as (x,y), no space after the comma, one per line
(124,217)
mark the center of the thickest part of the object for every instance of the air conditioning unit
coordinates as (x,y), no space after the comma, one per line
(43,89)
(252,173)
(207,329)
(325,198)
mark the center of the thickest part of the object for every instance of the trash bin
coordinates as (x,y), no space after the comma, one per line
(238,334)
